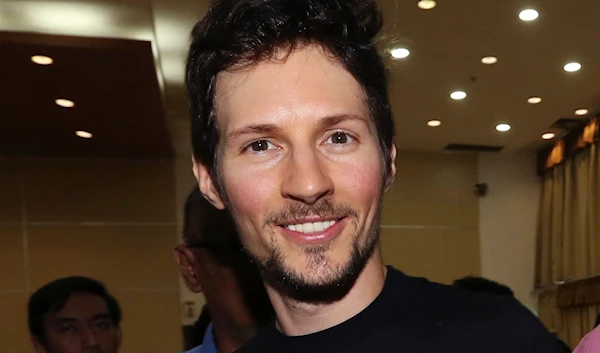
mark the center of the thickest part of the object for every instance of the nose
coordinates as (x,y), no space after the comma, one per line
(90,340)
(307,177)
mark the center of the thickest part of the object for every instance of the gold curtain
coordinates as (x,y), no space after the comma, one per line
(568,243)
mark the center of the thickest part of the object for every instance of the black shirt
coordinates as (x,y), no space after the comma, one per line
(413,315)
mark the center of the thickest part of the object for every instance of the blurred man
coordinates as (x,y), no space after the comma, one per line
(212,262)
(482,285)
(74,315)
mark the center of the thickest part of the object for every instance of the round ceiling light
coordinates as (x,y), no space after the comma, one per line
(503,127)
(65,103)
(548,136)
(434,123)
(534,100)
(572,67)
(84,134)
(581,111)
(458,95)
(399,53)
(42,60)
(528,15)
(488,60)
(426,4)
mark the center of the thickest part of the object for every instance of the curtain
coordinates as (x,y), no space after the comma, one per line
(568,241)
(568,244)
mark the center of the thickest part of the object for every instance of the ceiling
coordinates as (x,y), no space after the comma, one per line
(113,83)
(446,44)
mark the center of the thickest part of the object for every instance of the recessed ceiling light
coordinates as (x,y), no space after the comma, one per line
(399,53)
(64,103)
(503,127)
(426,4)
(528,15)
(84,134)
(488,60)
(458,95)
(572,67)
(581,112)
(534,100)
(548,136)
(434,123)
(42,59)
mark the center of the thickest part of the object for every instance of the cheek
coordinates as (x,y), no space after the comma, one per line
(249,191)
(360,179)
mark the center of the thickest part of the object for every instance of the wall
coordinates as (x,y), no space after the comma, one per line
(112,220)
(508,221)
(430,218)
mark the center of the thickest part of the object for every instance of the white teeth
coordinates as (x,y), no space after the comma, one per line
(319,226)
(310,227)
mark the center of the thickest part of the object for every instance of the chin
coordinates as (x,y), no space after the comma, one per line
(314,274)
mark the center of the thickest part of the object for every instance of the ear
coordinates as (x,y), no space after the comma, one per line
(119,337)
(392,174)
(38,346)
(207,185)
(187,266)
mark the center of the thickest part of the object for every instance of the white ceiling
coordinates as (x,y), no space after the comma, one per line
(446,46)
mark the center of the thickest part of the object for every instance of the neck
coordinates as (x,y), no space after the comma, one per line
(298,318)
(230,335)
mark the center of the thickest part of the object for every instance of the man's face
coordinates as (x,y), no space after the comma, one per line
(83,325)
(301,170)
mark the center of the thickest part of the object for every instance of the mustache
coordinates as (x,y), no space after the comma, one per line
(297,212)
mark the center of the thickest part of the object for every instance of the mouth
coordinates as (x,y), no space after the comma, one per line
(313,230)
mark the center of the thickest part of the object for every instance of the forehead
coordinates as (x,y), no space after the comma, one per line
(81,306)
(308,82)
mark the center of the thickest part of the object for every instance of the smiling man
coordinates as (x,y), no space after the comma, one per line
(74,315)
(293,133)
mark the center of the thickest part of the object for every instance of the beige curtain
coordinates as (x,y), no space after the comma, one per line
(568,244)
(576,322)
(569,222)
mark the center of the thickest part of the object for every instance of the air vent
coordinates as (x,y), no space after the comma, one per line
(457,147)
(567,123)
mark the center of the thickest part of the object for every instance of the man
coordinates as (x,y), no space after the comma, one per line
(211,261)
(293,133)
(74,315)
(482,285)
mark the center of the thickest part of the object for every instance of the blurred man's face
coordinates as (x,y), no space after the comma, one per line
(83,325)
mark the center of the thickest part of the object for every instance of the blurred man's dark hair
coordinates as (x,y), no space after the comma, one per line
(52,297)
(482,285)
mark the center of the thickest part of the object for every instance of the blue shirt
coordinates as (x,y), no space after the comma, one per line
(208,342)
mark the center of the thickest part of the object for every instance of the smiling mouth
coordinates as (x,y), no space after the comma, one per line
(311,227)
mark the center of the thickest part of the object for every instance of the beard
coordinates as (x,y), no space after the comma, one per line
(325,282)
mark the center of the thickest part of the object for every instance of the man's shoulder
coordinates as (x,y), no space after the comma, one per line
(476,317)
(197,349)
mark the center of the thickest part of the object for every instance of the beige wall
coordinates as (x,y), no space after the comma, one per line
(117,221)
(111,220)
(431,216)
(508,221)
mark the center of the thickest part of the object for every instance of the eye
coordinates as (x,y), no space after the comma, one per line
(103,324)
(260,146)
(67,328)
(339,138)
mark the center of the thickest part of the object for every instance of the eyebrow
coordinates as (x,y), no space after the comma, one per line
(333,120)
(253,129)
(326,122)
(64,320)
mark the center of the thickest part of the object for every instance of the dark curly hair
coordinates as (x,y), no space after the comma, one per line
(237,34)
